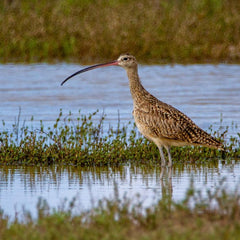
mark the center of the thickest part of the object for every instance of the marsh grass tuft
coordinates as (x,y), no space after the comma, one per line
(82,141)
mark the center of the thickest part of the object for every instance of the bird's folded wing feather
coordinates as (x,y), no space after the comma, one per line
(165,121)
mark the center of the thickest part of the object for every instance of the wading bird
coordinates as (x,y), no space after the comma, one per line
(157,121)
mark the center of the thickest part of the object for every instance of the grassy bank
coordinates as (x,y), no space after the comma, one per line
(121,219)
(90,31)
(78,140)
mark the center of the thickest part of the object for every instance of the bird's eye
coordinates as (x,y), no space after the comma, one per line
(125,59)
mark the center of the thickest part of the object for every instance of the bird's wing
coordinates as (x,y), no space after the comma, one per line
(163,120)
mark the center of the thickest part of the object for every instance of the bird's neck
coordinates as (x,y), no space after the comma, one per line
(135,84)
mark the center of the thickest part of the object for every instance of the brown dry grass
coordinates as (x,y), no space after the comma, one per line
(88,31)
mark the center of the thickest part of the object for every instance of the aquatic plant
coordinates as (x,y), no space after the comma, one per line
(84,141)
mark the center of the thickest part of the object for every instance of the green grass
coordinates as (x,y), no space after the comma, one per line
(84,141)
(121,219)
(90,31)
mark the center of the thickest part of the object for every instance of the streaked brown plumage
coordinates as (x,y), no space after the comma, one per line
(159,122)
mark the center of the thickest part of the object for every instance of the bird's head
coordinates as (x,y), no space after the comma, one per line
(126,61)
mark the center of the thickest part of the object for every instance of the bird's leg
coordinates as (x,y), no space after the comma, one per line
(163,161)
(169,156)
(161,174)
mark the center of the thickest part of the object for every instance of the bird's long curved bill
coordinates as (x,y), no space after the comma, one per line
(91,68)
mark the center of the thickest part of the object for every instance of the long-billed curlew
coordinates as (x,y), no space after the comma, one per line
(157,121)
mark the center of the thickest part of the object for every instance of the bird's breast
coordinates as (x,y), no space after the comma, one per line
(143,128)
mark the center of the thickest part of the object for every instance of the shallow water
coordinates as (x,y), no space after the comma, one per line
(22,186)
(205,93)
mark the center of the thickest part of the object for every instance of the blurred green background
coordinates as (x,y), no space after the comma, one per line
(87,31)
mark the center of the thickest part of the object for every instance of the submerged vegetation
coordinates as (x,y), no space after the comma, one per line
(85,141)
(89,31)
(215,216)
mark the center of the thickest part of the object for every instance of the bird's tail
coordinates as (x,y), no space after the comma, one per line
(208,141)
